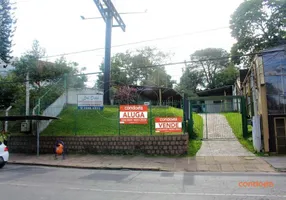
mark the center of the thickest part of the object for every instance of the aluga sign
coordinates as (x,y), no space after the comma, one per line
(133,114)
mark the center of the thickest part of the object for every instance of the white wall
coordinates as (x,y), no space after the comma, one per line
(53,110)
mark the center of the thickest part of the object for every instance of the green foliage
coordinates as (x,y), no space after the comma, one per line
(226,76)
(190,81)
(131,68)
(208,67)
(235,122)
(198,126)
(7,28)
(257,25)
(195,142)
(10,91)
(44,72)
(92,122)
(46,79)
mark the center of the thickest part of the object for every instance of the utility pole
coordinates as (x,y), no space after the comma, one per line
(108,12)
(107,57)
(27,95)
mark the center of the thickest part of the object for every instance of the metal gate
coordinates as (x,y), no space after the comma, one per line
(222,116)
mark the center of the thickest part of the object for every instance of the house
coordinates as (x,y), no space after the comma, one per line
(215,105)
(265,90)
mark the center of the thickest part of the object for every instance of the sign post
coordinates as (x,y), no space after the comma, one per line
(133,114)
(168,124)
(89,102)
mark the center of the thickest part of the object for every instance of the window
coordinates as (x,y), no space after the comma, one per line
(280,134)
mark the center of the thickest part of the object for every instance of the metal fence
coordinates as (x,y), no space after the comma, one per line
(106,122)
(59,99)
(223,117)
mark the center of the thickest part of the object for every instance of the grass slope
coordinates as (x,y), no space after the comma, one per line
(235,122)
(195,143)
(103,123)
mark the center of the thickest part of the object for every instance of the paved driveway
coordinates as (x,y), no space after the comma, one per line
(221,140)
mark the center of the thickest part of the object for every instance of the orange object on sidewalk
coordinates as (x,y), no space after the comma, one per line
(59,149)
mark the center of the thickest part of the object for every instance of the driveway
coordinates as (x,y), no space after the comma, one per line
(221,140)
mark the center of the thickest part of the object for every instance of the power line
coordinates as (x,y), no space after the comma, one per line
(210,59)
(138,42)
(34,80)
(161,65)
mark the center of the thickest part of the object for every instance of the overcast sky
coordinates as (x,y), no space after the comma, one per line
(58,27)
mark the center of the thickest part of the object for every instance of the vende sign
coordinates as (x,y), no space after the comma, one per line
(133,114)
(168,124)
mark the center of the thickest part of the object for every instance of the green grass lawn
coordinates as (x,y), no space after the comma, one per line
(103,123)
(235,122)
(195,143)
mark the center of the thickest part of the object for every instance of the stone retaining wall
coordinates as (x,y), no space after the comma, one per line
(153,145)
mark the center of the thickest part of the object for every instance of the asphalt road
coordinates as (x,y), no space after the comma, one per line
(19,182)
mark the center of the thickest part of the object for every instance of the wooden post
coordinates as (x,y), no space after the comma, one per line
(265,125)
(160,96)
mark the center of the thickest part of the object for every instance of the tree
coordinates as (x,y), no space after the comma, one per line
(126,95)
(225,77)
(208,62)
(46,78)
(7,28)
(44,72)
(190,81)
(134,68)
(159,77)
(10,90)
(257,25)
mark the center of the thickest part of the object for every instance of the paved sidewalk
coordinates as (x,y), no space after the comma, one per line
(277,162)
(222,141)
(194,164)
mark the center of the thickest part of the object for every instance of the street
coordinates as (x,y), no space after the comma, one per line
(42,183)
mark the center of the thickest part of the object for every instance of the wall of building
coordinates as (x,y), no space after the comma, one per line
(213,106)
(152,145)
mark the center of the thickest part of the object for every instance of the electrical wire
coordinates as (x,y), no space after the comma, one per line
(166,64)
(138,42)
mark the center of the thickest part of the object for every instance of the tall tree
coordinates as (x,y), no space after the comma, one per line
(256,25)
(209,62)
(190,81)
(159,77)
(7,28)
(133,68)
(46,77)
(45,72)
(10,90)
(225,77)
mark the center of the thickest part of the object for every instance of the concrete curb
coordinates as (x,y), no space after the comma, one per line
(86,167)
(279,169)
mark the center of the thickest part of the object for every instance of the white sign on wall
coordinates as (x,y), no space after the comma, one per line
(90,102)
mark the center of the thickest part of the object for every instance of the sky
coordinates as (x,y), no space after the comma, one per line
(57,25)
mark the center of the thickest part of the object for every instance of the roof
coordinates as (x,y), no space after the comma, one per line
(28,117)
(274,49)
(152,92)
(216,91)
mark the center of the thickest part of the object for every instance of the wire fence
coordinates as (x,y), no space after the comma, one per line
(59,98)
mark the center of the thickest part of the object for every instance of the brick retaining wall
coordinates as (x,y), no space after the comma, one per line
(155,145)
